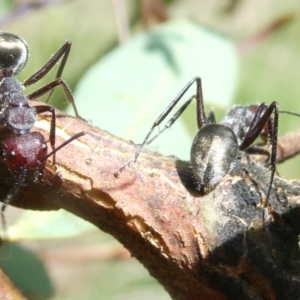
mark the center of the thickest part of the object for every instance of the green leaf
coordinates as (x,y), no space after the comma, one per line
(5,6)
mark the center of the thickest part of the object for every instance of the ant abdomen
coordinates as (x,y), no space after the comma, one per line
(20,119)
(25,152)
(213,155)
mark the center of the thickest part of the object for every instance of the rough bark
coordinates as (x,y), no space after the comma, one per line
(212,246)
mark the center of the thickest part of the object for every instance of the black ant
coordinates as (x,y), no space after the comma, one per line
(25,152)
(215,148)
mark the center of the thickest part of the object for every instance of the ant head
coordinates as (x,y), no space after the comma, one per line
(13,52)
(25,152)
(213,155)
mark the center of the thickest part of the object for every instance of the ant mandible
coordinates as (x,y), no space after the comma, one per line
(215,148)
(25,151)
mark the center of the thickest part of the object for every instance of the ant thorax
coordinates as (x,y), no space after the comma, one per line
(16,113)
(239,119)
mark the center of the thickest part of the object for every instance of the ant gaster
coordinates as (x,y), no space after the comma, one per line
(25,152)
(215,148)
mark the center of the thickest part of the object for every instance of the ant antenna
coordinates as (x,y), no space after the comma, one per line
(289,113)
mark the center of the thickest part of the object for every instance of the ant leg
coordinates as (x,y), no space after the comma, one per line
(200,117)
(169,108)
(168,125)
(74,137)
(46,108)
(210,119)
(149,141)
(254,132)
(289,113)
(273,128)
(258,151)
(258,110)
(12,193)
(63,52)
(50,87)
(259,121)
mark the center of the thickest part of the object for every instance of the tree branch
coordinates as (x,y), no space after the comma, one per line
(212,246)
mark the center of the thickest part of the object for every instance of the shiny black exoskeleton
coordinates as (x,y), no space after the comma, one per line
(215,148)
(25,151)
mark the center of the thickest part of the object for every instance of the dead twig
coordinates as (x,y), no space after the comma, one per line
(211,246)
